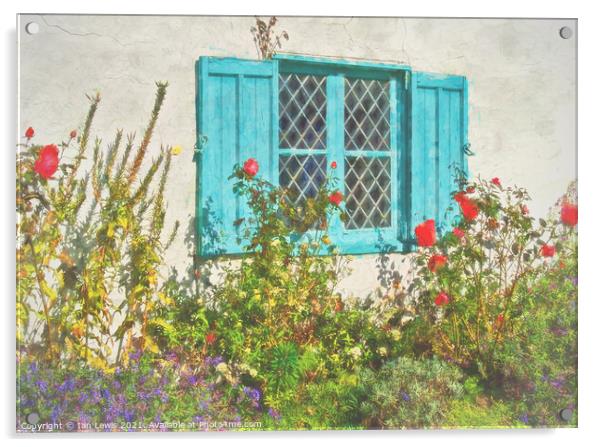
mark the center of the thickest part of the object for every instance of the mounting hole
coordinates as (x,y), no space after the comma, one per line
(566,414)
(566,32)
(33,418)
(32,28)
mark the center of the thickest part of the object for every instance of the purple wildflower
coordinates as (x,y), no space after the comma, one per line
(559,331)
(42,385)
(198,419)
(83,397)
(135,356)
(252,393)
(67,385)
(54,416)
(95,396)
(524,418)
(405,396)
(558,383)
(128,415)
(33,367)
(214,361)
(274,414)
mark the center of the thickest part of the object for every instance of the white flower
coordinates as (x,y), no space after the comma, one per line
(222,368)
(355,352)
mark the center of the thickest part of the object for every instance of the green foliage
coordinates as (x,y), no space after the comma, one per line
(87,236)
(179,321)
(283,373)
(467,413)
(271,307)
(482,270)
(408,393)
(321,405)
(538,365)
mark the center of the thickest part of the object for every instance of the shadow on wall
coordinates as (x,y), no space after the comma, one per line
(205,273)
(199,274)
(388,274)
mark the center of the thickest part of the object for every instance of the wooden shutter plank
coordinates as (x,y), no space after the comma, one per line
(236,110)
(439,133)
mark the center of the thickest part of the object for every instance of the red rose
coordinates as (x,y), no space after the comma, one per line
(436,262)
(460,197)
(333,165)
(470,189)
(496,181)
(210,338)
(458,233)
(29,133)
(426,234)
(469,209)
(500,319)
(73,134)
(547,251)
(568,214)
(251,167)
(442,299)
(336,198)
(48,161)
(524,209)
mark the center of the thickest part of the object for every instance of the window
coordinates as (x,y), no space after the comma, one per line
(303,133)
(368,174)
(396,136)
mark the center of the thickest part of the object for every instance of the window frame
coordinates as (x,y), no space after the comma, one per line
(362,240)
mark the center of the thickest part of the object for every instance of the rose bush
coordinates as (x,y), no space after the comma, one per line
(466,283)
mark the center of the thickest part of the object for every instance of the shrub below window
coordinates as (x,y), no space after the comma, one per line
(408,393)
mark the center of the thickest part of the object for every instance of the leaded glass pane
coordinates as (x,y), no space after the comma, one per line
(302,111)
(368,192)
(302,175)
(367,114)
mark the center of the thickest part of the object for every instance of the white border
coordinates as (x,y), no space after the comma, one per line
(590,168)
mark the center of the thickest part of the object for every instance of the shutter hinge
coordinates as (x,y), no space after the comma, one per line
(200,144)
(466,149)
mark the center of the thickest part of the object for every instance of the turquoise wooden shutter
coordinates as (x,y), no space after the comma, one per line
(236,120)
(439,137)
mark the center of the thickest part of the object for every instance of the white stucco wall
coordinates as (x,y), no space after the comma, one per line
(521,73)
